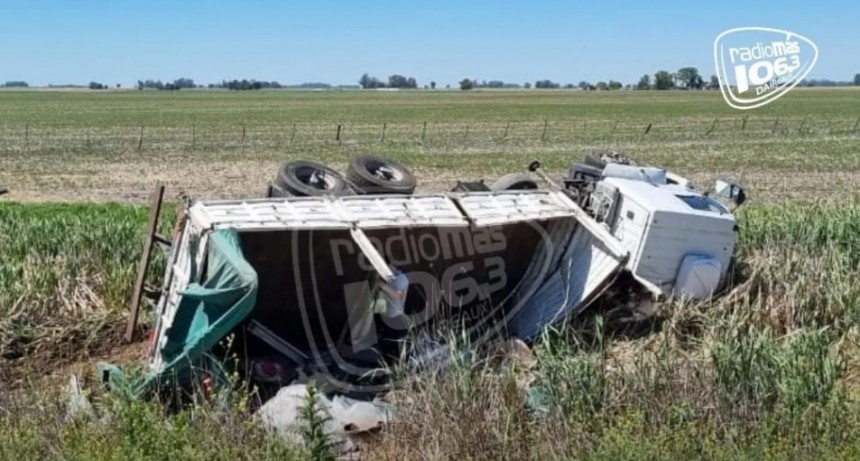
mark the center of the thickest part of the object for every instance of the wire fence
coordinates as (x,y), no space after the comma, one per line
(192,138)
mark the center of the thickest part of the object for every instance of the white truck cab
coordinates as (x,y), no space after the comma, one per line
(680,240)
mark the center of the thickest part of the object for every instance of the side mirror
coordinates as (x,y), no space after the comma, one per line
(731,190)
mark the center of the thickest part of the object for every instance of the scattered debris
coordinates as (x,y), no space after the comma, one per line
(342,417)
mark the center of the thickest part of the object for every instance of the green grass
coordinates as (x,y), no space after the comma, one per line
(62,145)
(765,372)
(768,371)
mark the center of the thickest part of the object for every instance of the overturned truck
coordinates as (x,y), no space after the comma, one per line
(293,285)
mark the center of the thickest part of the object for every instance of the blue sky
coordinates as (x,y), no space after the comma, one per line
(120,41)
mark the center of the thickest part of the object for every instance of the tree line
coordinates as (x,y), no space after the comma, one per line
(395,81)
(685,78)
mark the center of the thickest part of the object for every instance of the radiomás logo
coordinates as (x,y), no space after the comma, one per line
(757,65)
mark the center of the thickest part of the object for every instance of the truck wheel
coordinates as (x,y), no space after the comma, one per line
(514,181)
(581,171)
(305,178)
(595,160)
(376,175)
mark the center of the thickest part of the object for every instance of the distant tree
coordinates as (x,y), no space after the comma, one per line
(527,85)
(118,85)
(397,81)
(181,83)
(644,82)
(16,84)
(432,85)
(368,82)
(97,86)
(585,86)
(546,84)
(856,79)
(714,84)
(663,80)
(614,85)
(689,78)
(448,86)
(601,85)
(467,84)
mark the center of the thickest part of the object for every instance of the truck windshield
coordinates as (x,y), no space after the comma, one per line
(698,202)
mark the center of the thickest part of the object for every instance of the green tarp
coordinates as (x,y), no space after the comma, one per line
(208,311)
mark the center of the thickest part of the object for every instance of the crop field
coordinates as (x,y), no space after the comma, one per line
(113,145)
(771,370)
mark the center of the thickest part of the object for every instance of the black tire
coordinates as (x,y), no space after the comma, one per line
(514,181)
(582,171)
(595,160)
(276,191)
(376,175)
(311,179)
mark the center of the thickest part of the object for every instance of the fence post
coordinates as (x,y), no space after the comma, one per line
(800,129)
(193,136)
(423,132)
(27,137)
(337,136)
(384,126)
(140,139)
(744,124)
(543,135)
(293,134)
(507,127)
(856,124)
(648,129)
(711,129)
(466,134)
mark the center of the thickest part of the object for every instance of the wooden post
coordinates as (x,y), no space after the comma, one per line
(140,139)
(337,136)
(384,126)
(293,134)
(648,129)
(423,132)
(856,124)
(155,201)
(507,127)
(193,136)
(744,124)
(775,123)
(711,129)
(543,135)
(800,130)
(466,134)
